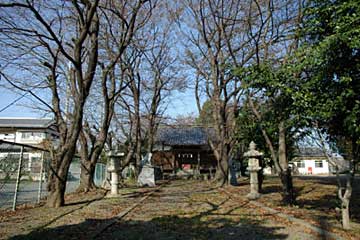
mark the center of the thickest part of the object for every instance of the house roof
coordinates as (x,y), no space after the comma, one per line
(309,152)
(26,122)
(184,136)
(11,147)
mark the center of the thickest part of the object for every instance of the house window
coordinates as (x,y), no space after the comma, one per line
(300,164)
(26,135)
(32,135)
(318,163)
(35,159)
(38,135)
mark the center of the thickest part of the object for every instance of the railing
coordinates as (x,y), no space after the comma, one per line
(24,171)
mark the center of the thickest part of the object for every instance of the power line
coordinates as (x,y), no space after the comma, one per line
(13,102)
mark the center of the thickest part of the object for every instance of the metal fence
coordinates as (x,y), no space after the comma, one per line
(23,174)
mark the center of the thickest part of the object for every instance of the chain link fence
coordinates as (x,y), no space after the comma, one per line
(23,174)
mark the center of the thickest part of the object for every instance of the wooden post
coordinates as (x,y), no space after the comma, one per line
(18,178)
(174,162)
(198,162)
(41,177)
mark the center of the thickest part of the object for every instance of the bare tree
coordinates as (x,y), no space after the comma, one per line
(163,80)
(219,40)
(130,102)
(121,22)
(53,35)
(150,67)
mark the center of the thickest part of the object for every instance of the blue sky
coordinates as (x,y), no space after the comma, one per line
(183,103)
(18,109)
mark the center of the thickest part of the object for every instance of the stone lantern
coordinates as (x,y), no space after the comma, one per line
(114,168)
(253,167)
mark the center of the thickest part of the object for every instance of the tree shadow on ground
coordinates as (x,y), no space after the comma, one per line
(278,189)
(166,227)
(86,202)
(207,224)
(330,201)
(271,189)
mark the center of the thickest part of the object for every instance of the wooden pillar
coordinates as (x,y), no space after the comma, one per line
(198,162)
(174,162)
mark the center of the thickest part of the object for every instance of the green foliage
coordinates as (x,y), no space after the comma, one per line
(206,117)
(272,88)
(247,130)
(330,57)
(279,89)
(320,82)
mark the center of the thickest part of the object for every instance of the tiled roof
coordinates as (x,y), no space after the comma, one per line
(26,122)
(309,152)
(184,136)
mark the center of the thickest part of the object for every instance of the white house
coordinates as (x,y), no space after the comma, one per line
(312,161)
(32,131)
(29,132)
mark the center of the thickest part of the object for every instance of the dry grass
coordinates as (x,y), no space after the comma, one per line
(316,202)
(185,210)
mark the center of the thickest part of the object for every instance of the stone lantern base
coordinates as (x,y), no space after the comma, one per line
(253,196)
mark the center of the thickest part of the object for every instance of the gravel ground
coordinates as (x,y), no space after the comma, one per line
(179,210)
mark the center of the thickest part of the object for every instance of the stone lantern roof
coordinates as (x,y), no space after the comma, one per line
(253,153)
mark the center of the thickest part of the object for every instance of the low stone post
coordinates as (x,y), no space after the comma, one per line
(253,167)
(114,168)
(147,173)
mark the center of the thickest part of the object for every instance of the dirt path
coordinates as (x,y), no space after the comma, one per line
(178,210)
(190,210)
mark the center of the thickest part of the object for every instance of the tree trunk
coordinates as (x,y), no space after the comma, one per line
(287,187)
(260,179)
(345,213)
(222,171)
(285,173)
(345,199)
(138,144)
(55,198)
(221,151)
(87,176)
(57,179)
(138,156)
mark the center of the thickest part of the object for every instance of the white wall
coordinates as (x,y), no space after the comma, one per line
(10,137)
(32,139)
(309,163)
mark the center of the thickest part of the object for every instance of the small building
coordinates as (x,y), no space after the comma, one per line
(28,134)
(184,148)
(313,161)
(31,131)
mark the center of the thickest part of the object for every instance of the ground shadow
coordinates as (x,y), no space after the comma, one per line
(208,224)
(86,202)
(166,227)
(330,201)
(271,189)
(278,189)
